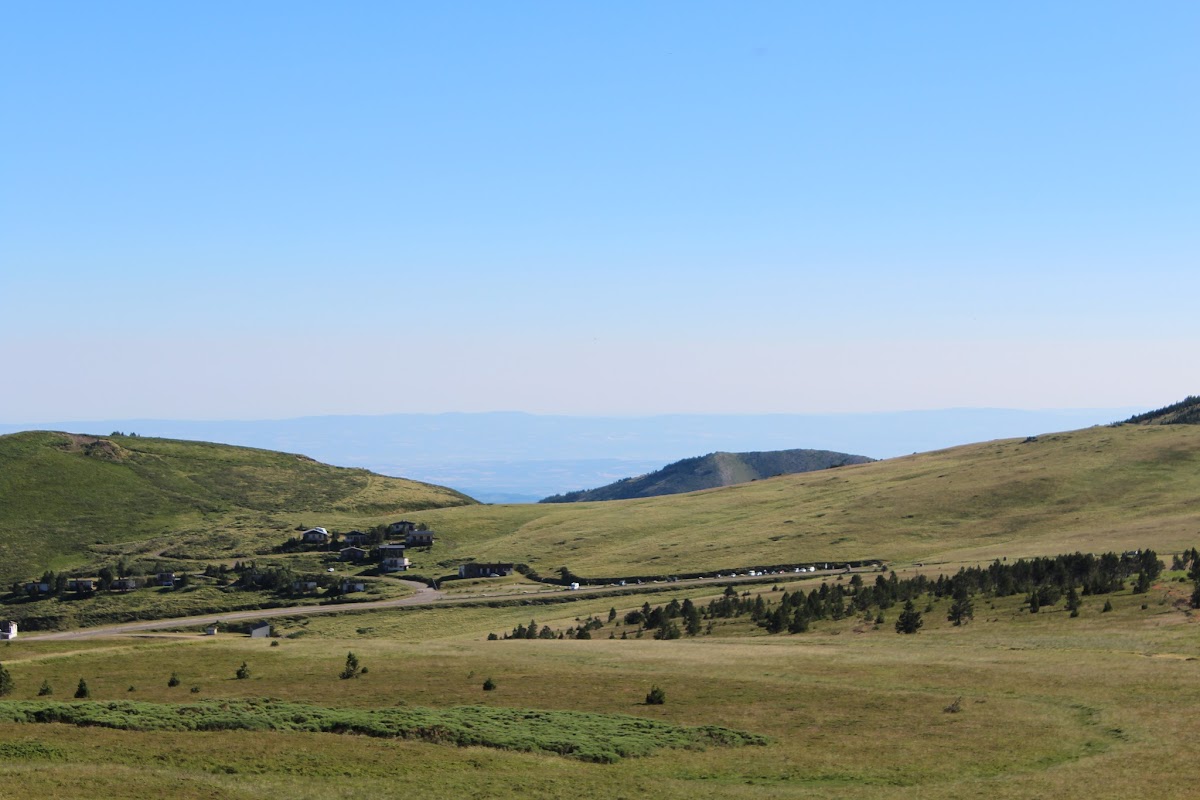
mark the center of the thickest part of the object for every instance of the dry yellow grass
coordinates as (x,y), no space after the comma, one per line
(1091,490)
(1097,705)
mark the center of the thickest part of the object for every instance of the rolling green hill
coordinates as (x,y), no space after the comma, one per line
(712,471)
(1103,488)
(64,495)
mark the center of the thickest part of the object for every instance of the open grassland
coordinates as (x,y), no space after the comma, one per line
(1109,488)
(1095,706)
(65,497)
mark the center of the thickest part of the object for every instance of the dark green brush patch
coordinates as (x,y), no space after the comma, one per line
(29,750)
(600,738)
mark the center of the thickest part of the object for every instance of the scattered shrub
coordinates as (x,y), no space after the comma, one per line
(489,685)
(656,696)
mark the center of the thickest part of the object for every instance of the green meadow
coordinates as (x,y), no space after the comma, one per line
(1046,704)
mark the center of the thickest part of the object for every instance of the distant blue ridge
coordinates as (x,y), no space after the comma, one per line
(504,456)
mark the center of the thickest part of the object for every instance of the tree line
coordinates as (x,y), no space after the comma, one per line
(1044,582)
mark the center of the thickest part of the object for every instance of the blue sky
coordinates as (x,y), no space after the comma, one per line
(231,210)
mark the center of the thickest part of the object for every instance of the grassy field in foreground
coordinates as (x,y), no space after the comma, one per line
(1109,488)
(1095,706)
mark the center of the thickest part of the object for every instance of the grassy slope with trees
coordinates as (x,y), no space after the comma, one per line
(1102,488)
(65,495)
(712,471)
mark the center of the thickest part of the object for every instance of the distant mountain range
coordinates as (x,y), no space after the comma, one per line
(712,471)
(509,457)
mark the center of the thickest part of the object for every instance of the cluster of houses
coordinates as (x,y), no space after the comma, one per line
(358,545)
(167,580)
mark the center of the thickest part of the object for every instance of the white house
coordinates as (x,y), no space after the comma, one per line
(8,630)
(394,564)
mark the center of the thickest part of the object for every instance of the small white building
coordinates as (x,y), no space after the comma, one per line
(260,631)
(8,630)
(394,564)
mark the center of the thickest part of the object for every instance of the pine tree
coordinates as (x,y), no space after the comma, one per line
(45,689)
(961,611)
(352,668)
(1073,602)
(82,692)
(243,672)
(909,620)
(6,681)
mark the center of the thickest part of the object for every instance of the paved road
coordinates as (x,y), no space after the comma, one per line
(422,596)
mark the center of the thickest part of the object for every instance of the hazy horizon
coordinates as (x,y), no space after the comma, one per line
(521,457)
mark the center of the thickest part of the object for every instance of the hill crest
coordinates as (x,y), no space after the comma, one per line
(1185,412)
(712,471)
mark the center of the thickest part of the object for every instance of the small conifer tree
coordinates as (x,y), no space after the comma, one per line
(489,685)
(243,672)
(6,681)
(909,620)
(656,696)
(81,691)
(45,689)
(352,668)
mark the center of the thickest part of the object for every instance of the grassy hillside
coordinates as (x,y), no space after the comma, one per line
(61,495)
(1100,488)
(712,471)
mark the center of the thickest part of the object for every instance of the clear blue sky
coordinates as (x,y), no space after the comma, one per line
(270,209)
